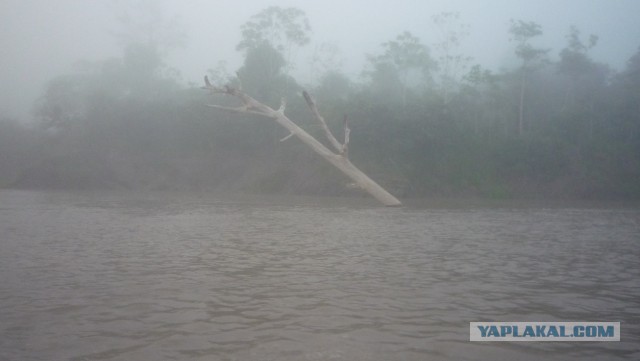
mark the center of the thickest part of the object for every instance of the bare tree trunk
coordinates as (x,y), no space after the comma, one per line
(521,109)
(338,159)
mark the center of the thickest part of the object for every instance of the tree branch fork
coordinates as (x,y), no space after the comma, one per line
(338,157)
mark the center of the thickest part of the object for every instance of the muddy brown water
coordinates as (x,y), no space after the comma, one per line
(171,276)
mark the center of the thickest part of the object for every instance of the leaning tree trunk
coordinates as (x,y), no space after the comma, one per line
(339,158)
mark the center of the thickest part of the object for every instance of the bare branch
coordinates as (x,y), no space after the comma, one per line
(287,137)
(339,160)
(347,131)
(283,105)
(213,89)
(250,105)
(314,108)
(241,109)
(239,80)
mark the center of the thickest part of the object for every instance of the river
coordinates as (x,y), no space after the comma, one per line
(184,276)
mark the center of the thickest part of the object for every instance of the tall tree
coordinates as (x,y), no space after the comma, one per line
(451,63)
(585,77)
(263,73)
(522,33)
(401,60)
(626,99)
(574,58)
(268,40)
(283,29)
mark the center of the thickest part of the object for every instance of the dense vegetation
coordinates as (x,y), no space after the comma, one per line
(425,121)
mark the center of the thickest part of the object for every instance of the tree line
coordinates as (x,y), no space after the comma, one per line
(425,120)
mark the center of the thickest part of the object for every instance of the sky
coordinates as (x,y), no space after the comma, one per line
(40,39)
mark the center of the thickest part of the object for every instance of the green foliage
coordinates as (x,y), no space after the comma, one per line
(402,55)
(263,75)
(522,33)
(278,27)
(404,63)
(62,103)
(574,59)
(125,122)
(267,40)
(18,147)
(334,88)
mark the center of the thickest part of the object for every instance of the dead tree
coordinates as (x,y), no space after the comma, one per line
(339,158)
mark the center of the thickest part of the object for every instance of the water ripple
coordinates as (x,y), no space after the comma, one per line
(179,277)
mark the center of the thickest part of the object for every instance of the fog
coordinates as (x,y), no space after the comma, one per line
(42,39)
(206,179)
(497,99)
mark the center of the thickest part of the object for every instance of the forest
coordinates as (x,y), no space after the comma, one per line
(426,120)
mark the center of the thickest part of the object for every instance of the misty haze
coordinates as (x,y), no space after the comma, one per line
(207,180)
